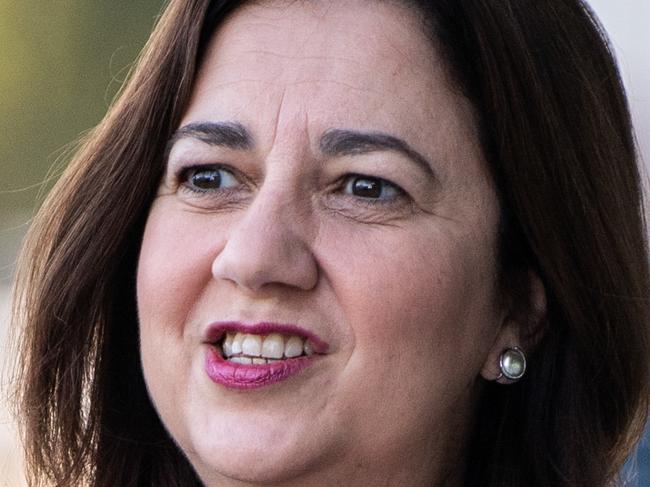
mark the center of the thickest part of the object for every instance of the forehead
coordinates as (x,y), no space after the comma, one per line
(363,33)
(353,64)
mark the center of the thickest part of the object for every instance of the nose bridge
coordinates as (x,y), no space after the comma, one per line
(282,202)
(270,243)
(277,214)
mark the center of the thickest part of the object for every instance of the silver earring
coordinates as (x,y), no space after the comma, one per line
(512,363)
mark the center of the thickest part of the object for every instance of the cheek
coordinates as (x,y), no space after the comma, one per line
(414,284)
(420,308)
(173,268)
(421,301)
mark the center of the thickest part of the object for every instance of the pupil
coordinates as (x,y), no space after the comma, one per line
(206,179)
(367,188)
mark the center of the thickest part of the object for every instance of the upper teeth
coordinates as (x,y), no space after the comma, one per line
(272,346)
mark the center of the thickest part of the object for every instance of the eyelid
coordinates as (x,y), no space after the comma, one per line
(351,177)
(183,175)
(401,197)
(182,170)
(399,202)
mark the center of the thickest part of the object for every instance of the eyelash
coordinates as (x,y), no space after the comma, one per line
(185,174)
(351,178)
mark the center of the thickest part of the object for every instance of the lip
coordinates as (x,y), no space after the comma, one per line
(244,376)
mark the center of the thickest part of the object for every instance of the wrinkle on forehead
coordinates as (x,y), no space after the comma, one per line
(308,41)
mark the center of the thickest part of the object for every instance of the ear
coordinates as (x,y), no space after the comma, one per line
(523,326)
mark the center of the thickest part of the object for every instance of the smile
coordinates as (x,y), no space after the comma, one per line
(246,348)
(252,356)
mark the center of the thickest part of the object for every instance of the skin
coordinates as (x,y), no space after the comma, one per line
(402,289)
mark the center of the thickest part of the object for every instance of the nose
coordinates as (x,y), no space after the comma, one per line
(269,244)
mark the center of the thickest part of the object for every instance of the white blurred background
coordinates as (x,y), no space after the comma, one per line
(628,24)
(627,21)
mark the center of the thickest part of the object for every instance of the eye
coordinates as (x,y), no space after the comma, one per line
(372,188)
(204,179)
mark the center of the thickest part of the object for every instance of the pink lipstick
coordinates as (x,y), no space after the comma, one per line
(241,362)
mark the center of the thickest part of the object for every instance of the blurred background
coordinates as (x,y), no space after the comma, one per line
(61,64)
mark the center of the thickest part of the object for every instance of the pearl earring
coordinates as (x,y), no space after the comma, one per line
(512,363)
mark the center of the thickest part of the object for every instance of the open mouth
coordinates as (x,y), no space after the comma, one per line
(257,355)
(253,349)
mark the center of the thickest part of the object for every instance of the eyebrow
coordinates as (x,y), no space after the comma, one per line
(338,142)
(227,134)
(334,142)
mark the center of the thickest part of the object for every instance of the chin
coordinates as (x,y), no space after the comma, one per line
(261,462)
(251,448)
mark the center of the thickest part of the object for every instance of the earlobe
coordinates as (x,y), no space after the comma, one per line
(522,329)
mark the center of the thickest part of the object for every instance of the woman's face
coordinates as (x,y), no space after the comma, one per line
(325,187)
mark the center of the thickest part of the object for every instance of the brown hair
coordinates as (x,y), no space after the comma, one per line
(556,131)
